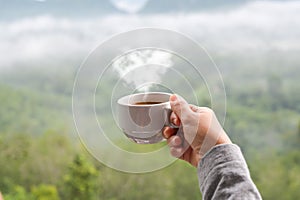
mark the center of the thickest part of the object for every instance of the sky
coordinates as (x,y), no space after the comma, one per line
(254,26)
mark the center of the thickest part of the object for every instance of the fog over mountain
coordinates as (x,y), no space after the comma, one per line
(48,38)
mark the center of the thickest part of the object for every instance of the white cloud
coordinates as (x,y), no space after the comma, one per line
(256,26)
(130,6)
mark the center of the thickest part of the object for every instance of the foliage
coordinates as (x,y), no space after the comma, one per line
(27,111)
(45,192)
(282,173)
(18,193)
(39,158)
(81,180)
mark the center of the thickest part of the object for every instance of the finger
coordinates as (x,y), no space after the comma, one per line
(174,119)
(204,110)
(179,106)
(168,132)
(174,141)
(176,151)
(194,108)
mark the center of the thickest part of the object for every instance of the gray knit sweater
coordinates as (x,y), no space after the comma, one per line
(223,174)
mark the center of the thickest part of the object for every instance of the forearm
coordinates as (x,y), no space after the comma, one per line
(223,174)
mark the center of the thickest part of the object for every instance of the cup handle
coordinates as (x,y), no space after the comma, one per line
(168,122)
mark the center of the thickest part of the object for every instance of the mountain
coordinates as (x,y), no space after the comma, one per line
(12,9)
(188,5)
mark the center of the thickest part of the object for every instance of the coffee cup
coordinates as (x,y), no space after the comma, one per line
(143,116)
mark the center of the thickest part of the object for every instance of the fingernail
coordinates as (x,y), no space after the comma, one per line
(174,121)
(173,98)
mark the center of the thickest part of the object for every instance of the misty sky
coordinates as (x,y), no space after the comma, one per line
(251,27)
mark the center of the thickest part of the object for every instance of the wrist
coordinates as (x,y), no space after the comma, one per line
(223,139)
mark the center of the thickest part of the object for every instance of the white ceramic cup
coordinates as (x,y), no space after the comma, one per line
(144,123)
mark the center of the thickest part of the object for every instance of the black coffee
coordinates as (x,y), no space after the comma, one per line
(147,103)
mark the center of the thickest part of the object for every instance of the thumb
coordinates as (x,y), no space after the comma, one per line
(179,106)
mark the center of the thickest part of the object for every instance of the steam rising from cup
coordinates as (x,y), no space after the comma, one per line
(143,69)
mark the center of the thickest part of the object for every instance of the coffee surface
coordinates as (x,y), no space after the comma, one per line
(147,103)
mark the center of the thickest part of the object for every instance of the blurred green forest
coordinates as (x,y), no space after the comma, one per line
(42,158)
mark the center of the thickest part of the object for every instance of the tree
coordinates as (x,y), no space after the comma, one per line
(275,91)
(45,192)
(81,180)
(298,133)
(18,193)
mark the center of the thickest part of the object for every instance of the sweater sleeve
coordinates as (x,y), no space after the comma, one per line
(223,174)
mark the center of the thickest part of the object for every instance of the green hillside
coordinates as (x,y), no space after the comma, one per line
(39,157)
